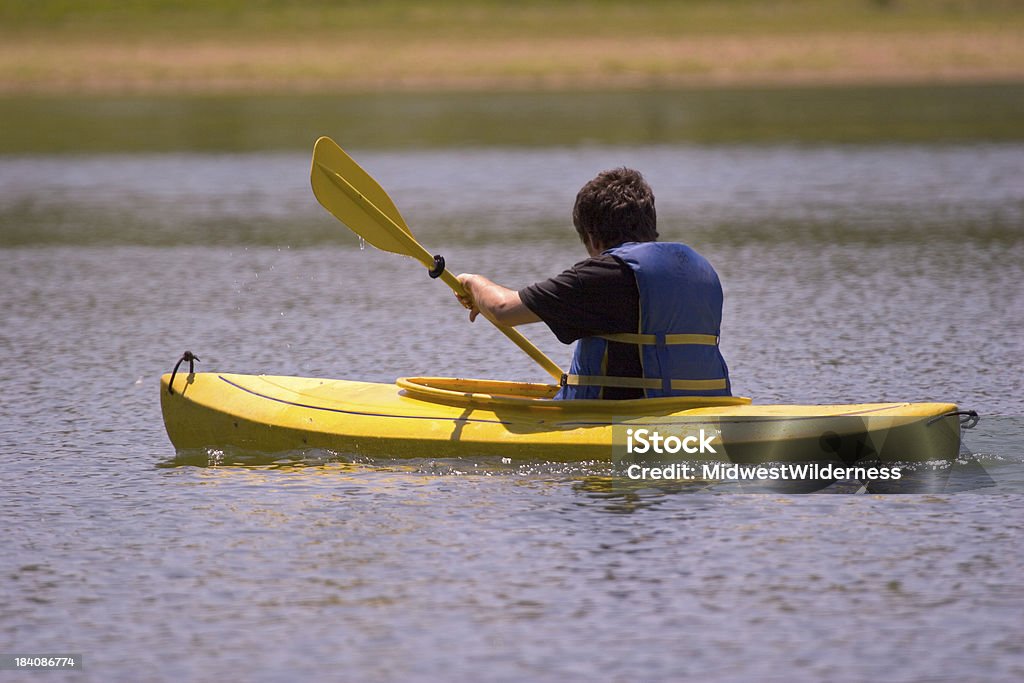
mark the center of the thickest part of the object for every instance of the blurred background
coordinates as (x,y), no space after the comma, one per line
(227,75)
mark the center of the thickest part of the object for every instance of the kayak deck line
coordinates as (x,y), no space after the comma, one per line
(344,411)
(538,401)
(486,393)
(881,408)
(350,412)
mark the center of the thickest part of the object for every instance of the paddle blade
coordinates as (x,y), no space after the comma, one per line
(352,196)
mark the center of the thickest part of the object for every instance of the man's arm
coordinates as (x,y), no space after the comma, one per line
(499,304)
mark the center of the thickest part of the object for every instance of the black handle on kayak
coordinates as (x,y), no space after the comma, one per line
(968,418)
(192,360)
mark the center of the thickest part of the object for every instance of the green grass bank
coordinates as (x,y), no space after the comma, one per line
(272,46)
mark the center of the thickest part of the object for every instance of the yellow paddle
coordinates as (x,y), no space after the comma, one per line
(352,196)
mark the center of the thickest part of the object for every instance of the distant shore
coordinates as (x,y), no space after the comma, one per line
(396,46)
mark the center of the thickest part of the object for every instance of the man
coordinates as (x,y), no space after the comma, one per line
(646,315)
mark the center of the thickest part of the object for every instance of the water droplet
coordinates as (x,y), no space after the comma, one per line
(362,244)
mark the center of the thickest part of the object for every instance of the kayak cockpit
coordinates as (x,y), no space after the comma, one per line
(482,393)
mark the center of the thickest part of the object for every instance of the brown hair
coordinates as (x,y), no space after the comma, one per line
(615,207)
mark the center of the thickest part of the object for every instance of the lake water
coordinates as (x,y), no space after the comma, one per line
(853,272)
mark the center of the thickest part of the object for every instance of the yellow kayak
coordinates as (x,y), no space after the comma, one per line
(443,417)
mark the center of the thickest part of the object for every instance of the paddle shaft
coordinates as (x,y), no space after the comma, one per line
(416,251)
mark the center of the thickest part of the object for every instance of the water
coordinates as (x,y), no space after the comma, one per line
(852,273)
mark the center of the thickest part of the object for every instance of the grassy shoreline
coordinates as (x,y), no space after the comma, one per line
(806,115)
(228,46)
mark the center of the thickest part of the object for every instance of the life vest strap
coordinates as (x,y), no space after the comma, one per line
(669,339)
(645,383)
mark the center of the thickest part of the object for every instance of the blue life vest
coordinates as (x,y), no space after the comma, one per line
(680,322)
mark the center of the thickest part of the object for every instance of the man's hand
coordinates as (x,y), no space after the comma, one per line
(500,305)
(468,301)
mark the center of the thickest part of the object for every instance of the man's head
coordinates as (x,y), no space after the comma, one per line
(615,207)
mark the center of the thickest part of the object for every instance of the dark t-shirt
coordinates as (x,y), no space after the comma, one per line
(595,296)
